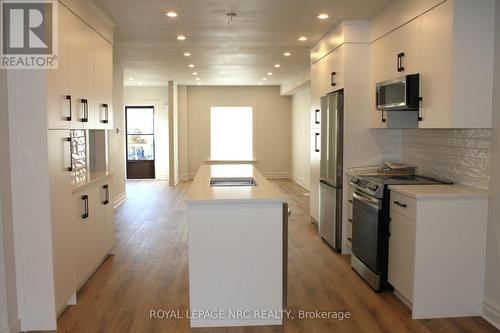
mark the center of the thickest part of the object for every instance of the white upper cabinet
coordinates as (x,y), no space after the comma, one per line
(451,47)
(394,55)
(59,103)
(103,83)
(80,90)
(457,65)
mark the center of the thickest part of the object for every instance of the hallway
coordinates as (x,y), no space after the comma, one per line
(149,271)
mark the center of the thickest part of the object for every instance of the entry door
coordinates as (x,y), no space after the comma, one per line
(140,142)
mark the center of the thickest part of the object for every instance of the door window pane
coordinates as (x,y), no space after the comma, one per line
(140,120)
(231,133)
(140,147)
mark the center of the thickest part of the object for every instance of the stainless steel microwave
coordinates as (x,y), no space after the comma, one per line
(401,94)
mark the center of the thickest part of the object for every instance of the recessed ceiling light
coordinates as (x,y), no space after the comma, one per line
(199,83)
(277,65)
(181,37)
(191,65)
(197,79)
(171,14)
(264,79)
(259,83)
(139,83)
(270,73)
(323,16)
(195,73)
(287,54)
(302,38)
(131,78)
(187,54)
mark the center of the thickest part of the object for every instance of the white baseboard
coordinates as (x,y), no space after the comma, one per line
(491,313)
(120,199)
(299,182)
(15,327)
(277,175)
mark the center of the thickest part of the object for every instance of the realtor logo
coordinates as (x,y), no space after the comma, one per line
(29,34)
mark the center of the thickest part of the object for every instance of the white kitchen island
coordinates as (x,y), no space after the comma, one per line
(237,248)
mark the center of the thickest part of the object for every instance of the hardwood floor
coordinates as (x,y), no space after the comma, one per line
(149,271)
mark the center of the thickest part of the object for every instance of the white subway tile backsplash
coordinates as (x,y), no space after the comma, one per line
(462,156)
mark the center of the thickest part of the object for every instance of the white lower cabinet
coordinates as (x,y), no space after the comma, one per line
(94,227)
(402,255)
(63,234)
(437,249)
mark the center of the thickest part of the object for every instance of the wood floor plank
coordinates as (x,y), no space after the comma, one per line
(149,271)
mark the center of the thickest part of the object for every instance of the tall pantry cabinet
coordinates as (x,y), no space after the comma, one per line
(79,100)
(341,61)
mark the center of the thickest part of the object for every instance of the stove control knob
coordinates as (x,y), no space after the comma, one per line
(355,180)
(373,187)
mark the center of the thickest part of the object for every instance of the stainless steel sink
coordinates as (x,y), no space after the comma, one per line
(232,181)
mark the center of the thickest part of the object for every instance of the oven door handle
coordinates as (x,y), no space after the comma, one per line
(367,200)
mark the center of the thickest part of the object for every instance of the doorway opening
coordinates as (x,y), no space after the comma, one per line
(140,141)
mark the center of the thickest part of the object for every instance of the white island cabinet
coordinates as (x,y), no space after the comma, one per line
(437,249)
(237,248)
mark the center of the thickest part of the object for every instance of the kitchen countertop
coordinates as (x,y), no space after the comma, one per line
(440,191)
(92,178)
(202,192)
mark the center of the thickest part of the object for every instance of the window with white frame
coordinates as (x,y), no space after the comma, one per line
(231,133)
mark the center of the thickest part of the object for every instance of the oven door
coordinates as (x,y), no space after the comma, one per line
(366,217)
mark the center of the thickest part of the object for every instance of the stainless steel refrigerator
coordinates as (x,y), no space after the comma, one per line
(331,168)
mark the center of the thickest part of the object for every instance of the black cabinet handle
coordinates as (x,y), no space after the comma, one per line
(68,165)
(68,99)
(400,204)
(316,149)
(333,79)
(316,113)
(400,62)
(106,194)
(420,115)
(105,119)
(349,220)
(350,201)
(383,118)
(84,111)
(85,199)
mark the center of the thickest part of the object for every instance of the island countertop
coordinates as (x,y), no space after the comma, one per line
(202,192)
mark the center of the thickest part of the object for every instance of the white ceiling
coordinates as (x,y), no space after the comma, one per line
(239,53)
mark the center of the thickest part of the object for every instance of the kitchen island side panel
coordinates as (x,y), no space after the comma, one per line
(235,261)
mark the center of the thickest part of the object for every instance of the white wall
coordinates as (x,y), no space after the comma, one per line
(158,97)
(492,291)
(272,125)
(117,138)
(30,188)
(301,148)
(8,298)
(182,131)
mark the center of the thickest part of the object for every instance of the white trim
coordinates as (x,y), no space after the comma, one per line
(277,175)
(300,183)
(15,327)
(162,176)
(120,199)
(491,313)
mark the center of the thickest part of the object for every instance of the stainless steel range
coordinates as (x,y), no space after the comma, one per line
(370,225)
